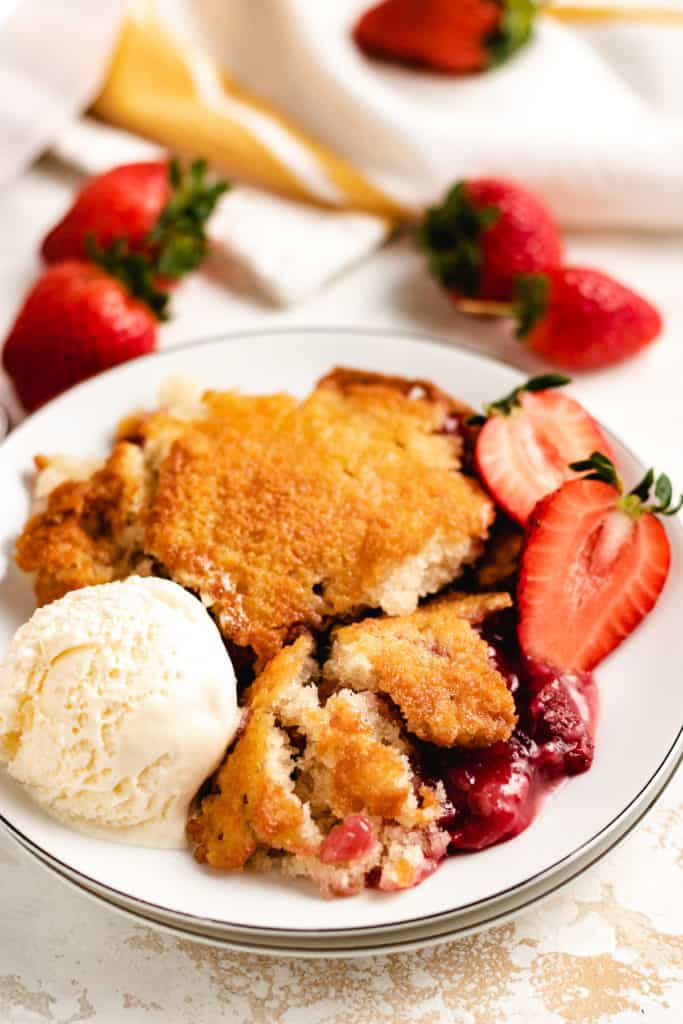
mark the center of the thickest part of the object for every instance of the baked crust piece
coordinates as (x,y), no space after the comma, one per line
(255,802)
(305,766)
(90,531)
(300,768)
(434,666)
(281,514)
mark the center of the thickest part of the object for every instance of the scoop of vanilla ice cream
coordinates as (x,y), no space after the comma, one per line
(116,702)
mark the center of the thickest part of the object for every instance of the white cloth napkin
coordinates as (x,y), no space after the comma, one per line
(282,250)
(591,119)
(53,58)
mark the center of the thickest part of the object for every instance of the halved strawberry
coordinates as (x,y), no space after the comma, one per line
(594,563)
(527,441)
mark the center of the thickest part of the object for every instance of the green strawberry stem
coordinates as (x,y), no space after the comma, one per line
(504,406)
(134,270)
(514,30)
(178,240)
(634,504)
(449,235)
(179,237)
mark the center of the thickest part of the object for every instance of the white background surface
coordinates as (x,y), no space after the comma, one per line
(609,949)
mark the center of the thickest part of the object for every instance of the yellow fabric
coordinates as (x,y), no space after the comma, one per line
(151,90)
(610,13)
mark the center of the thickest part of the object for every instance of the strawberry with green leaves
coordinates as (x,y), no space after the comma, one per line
(159,209)
(444,35)
(582,319)
(496,249)
(80,318)
(594,563)
(485,233)
(100,307)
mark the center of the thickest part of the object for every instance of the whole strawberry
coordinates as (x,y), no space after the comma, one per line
(583,319)
(77,320)
(452,36)
(130,231)
(484,234)
(158,208)
(122,203)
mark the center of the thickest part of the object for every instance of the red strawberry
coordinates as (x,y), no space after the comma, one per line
(593,565)
(525,446)
(461,37)
(122,203)
(75,321)
(582,319)
(351,839)
(484,234)
(158,209)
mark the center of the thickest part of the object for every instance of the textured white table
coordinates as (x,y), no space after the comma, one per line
(608,949)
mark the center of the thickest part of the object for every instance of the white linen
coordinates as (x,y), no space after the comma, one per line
(283,250)
(592,119)
(53,58)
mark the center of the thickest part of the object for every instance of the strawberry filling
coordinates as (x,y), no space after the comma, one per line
(348,841)
(493,793)
(497,792)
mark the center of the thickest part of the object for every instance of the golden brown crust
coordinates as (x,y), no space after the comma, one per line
(87,533)
(356,767)
(434,667)
(352,759)
(255,801)
(474,608)
(283,513)
(348,379)
(252,806)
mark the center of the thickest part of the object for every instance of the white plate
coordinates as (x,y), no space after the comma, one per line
(373,941)
(639,736)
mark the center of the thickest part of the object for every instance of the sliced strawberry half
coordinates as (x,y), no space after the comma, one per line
(593,565)
(527,441)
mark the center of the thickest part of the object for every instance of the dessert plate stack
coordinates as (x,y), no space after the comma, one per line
(639,739)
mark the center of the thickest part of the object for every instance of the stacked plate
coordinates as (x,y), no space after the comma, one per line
(639,741)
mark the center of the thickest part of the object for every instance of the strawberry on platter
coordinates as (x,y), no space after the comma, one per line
(594,562)
(130,234)
(527,441)
(576,317)
(583,319)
